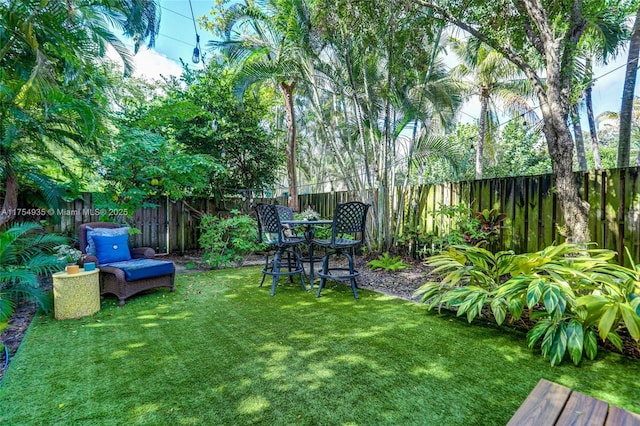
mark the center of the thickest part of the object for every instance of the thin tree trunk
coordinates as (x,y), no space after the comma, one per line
(287,91)
(588,99)
(577,134)
(482,130)
(626,108)
(387,181)
(10,203)
(361,135)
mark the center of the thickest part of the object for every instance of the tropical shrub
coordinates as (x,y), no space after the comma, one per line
(571,293)
(415,242)
(26,254)
(460,226)
(468,277)
(228,240)
(388,263)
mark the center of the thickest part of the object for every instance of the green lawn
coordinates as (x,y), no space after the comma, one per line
(222,351)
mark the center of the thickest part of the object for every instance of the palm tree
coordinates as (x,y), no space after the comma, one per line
(604,36)
(26,253)
(269,43)
(626,108)
(496,81)
(52,86)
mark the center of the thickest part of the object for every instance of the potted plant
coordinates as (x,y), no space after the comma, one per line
(310,214)
(70,255)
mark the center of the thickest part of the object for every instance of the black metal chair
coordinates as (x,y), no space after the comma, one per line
(347,233)
(271,231)
(285,213)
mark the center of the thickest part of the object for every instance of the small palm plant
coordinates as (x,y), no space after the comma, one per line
(388,263)
(26,253)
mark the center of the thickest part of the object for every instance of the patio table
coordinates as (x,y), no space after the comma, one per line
(309,233)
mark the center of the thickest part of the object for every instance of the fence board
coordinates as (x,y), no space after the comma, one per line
(533,220)
(547,217)
(612,201)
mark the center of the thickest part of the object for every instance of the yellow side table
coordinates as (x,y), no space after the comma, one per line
(76,295)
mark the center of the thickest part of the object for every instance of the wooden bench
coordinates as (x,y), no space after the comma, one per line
(553,404)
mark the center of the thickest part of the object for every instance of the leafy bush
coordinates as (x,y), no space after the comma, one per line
(228,240)
(67,253)
(26,253)
(460,226)
(572,294)
(388,263)
(415,242)
(468,278)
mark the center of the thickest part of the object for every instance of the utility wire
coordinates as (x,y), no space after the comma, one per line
(178,13)
(193,18)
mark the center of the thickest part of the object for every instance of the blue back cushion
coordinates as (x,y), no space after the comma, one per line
(112,248)
(91,232)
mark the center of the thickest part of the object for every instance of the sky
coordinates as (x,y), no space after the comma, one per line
(177,38)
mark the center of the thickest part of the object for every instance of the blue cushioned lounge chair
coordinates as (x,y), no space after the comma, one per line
(123,272)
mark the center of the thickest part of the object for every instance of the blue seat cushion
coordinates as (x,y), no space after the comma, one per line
(138,269)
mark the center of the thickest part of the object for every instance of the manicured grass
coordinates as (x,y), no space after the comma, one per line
(222,351)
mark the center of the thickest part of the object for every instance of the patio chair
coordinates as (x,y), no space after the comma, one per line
(123,271)
(285,213)
(347,233)
(271,231)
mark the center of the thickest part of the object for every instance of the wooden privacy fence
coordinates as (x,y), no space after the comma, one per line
(534,219)
(172,226)
(533,222)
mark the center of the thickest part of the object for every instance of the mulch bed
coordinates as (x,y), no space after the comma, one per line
(400,284)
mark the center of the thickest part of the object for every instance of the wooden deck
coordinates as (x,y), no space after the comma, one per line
(553,404)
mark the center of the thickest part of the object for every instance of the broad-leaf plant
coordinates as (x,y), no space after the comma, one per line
(571,293)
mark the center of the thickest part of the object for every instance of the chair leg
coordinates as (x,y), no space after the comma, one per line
(266,267)
(276,269)
(289,265)
(300,267)
(325,268)
(352,279)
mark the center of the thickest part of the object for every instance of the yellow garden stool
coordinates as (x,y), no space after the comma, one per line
(76,295)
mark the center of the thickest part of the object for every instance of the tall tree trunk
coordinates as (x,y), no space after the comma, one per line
(588,99)
(626,108)
(560,143)
(360,120)
(388,153)
(287,91)
(482,131)
(577,134)
(10,203)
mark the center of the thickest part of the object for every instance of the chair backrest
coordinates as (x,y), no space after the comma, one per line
(350,219)
(269,226)
(82,232)
(284,212)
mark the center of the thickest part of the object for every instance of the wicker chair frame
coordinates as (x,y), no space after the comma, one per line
(112,280)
